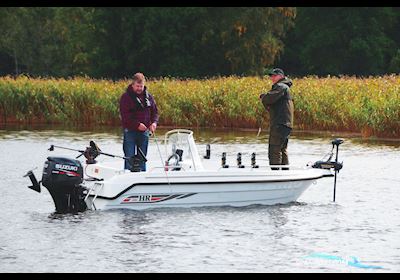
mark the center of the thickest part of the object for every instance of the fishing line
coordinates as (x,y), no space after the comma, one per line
(162,161)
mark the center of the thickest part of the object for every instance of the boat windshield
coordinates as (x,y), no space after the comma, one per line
(181,141)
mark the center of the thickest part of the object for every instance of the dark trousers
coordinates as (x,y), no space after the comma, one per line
(277,148)
(133,139)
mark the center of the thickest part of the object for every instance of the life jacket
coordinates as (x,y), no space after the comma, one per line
(138,101)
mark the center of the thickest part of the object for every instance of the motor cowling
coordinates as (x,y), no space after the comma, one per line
(62,177)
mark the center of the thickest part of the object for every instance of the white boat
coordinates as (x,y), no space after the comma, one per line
(182,180)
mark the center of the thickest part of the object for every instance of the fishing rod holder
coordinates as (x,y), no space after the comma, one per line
(239,160)
(137,160)
(208,152)
(223,161)
(253,161)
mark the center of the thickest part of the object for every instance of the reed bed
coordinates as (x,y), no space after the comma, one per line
(370,105)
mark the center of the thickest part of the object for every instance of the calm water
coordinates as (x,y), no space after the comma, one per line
(364,222)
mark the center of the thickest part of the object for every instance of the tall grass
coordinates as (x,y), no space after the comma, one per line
(369,105)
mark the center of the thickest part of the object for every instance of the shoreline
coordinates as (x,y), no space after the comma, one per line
(295,132)
(332,105)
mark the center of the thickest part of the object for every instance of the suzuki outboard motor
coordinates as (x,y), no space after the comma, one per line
(62,177)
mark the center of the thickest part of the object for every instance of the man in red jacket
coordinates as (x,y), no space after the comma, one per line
(139,116)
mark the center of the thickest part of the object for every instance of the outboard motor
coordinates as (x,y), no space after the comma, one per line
(62,177)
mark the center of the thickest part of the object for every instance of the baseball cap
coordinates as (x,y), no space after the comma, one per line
(276,71)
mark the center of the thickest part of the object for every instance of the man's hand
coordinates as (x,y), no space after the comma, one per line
(153,127)
(142,127)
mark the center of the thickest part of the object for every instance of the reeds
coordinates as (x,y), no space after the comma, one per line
(367,105)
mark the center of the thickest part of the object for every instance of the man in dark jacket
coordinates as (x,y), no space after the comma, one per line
(139,115)
(279,103)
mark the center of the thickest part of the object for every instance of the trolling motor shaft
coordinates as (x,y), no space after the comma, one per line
(336,143)
(329,164)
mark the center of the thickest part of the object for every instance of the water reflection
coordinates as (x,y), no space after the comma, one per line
(70,217)
(132,227)
(202,135)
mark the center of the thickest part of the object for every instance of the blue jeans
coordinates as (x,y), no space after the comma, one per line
(133,139)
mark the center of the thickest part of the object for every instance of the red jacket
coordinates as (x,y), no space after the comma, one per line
(137,108)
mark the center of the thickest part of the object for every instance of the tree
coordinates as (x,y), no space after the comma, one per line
(245,40)
(46,41)
(160,41)
(334,41)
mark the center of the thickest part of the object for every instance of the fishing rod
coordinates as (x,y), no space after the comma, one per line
(261,122)
(162,161)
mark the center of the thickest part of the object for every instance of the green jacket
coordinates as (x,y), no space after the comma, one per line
(280,103)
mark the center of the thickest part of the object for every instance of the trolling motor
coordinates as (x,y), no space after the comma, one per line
(63,177)
(329,164)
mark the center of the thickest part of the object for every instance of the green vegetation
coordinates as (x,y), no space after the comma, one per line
(358,41)
(198,42)
(367,105)
(116,42)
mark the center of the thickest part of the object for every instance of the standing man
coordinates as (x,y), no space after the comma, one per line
(279,103)
(139,115)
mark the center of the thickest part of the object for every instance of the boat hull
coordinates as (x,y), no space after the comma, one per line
(144,196)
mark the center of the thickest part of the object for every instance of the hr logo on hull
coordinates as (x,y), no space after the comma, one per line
(145,198)
(151,198)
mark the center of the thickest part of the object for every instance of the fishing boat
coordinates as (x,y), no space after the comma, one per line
(182,179)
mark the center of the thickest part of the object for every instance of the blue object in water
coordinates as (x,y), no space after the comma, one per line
(353,262)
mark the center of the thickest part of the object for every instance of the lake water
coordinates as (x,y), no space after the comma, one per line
(360,232)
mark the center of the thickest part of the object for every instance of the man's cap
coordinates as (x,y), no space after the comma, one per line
(276,71)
